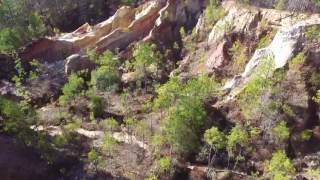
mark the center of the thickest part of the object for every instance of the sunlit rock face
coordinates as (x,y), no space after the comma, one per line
(284,46)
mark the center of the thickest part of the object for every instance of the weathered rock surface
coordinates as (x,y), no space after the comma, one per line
(76,62)
(283,47)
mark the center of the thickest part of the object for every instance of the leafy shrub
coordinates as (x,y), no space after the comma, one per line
(73,126)
(174,90)
(146,58)
(215,138)
(96,106)
(281,131)
(260,81)
(109,143)
(60,141)
(237,138)
(313,34)
(313,173)
(106,77)
(186,114)
(19,25)
(165,164)
(130,124)
(182,32)
(280,4)
(110,124)
(105,80)
(306,134)
(279,167)
(183,125)
(213,13)
(298,60)
(316,98)
(94,158)
(238,53)
(72,89)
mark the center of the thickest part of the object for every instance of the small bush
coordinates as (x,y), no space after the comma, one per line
(237,137)
(313,34)
(298,60)
(18,25)
(238,52)
(60,141)
(72,89)
(306,134)
(165,164)
(215,138)
(213,13)
(106,77)
(109,143)
(281,131)
(96,106)
(279,167)
(280,4)
(110,124)
(105,80)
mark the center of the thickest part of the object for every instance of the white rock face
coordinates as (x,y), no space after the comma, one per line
(237,20)
(284,46)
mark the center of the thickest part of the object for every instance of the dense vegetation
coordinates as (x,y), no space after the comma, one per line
(134,107)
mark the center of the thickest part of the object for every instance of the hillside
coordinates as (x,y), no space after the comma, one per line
(160,89)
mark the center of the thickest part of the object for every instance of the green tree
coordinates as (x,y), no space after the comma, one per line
(184,124)
(72,89)
(165,164)
(281,131)
(106,77)
(279,167)
(238,53)
(110,124)
(109,144)
(96,106)
(94,158)
(216,139)
(213,13)
(258,83)
(145,55)
(237,143)
(18,25)
(168,93)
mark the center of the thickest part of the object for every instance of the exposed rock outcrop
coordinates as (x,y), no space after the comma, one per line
(76,62)
(283,47)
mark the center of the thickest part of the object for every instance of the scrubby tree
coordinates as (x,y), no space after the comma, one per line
(213,13)
(259,82)
(279,167)
(94,158)
(106,77)
(96,106)
(281,131)
(237,143)
(168,93)
(110,124)
(183,125)
(18,25)
(238,53)
(165,164)
(72,89)
(145,57)
(109,144)
(216,139)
